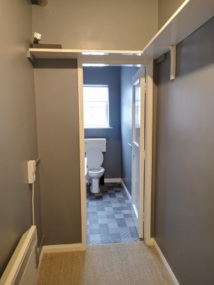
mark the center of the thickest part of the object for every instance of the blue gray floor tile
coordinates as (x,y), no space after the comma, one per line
(109,216)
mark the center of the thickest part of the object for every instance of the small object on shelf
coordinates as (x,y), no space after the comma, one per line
(36,37)
(40,2)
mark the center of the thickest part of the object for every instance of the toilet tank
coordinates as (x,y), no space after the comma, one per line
(95,142)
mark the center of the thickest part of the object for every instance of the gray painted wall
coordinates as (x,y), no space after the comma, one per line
(166,8)
(18,141)
(126,122)
(108,76)
(82,24)
(184,210)
(58,143)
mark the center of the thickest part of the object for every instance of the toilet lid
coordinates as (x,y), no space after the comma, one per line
(94,157)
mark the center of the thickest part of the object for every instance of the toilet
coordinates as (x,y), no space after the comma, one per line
(94,149)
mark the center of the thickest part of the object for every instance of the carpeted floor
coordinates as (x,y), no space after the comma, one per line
(112,264)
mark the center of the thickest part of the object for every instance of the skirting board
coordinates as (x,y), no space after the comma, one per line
(134,211)
(165,262)
(120,180)
(126,190)
(60,248)
(112,180)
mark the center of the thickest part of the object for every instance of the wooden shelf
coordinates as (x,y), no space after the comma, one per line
(88,56)
(189,17)
(74,53)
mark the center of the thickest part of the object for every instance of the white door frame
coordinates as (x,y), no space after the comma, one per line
(140,78)
(148,149)
(148,154)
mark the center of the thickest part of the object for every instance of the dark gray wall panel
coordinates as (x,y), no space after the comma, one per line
(108,76)
(18,141)
(58,143)
(126,122)
(184,211)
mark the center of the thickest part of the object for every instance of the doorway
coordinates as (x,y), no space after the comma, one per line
(109,212)
(83,193)
(138,146)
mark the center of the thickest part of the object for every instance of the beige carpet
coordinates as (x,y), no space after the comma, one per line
(112,264)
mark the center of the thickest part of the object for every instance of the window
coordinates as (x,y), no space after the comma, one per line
(96,106)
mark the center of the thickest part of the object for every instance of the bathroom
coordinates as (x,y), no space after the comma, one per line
(110,216)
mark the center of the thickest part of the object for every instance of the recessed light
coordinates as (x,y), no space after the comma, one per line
(94,53)
(95,64)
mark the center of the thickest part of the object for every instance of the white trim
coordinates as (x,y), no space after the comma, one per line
(82,155)
(121,57)
(138,150)
(62,248)
(172,62)
(112,180)
(134,210)
(190,15)
(142,150)
(148,148)
(17,262)
(126,190)
(169,269)
(84,52)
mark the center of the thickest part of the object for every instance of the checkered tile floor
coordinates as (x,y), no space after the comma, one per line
(109,216)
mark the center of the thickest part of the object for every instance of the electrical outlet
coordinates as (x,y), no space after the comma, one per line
(31,168)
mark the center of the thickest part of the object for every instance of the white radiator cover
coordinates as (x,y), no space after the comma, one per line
(21,269)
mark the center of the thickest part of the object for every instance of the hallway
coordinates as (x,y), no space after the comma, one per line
(115,264)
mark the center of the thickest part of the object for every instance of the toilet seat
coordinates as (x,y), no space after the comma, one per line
(96,170)
(94,158)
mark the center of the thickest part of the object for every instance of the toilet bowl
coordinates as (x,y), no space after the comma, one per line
(94,170)
(94,175)
(97,172)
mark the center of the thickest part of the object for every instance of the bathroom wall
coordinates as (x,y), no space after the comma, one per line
(126,123)
(18,141)
(82,24)
(166,8)
(184,211)
(58,143)
(108,76)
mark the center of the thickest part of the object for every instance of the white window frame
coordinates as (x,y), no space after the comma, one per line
(95,104)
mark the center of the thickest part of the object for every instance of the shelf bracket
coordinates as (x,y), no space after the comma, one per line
(30,57)
(172,61)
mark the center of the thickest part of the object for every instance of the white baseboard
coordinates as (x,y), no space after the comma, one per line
(126,190)
(134,210)
(61,248)
(112,180)
(165,262)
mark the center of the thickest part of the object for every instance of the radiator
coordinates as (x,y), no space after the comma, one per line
(21,269)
